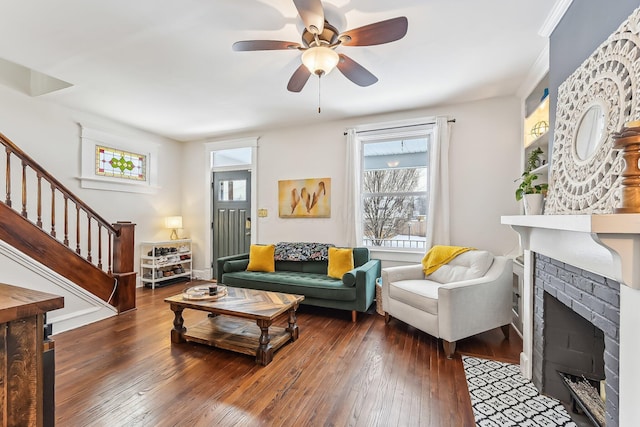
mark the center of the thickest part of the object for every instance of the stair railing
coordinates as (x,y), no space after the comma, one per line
(81,208)
(82,226)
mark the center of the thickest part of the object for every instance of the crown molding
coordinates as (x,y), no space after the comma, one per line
(541,66)
(554,17)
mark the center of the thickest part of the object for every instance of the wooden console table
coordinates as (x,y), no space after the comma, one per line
(21,354)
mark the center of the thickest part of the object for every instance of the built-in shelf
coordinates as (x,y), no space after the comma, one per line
(517,302)
(537,118)
(541,141)
(541,170)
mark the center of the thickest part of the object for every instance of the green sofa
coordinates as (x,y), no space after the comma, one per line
(355,291)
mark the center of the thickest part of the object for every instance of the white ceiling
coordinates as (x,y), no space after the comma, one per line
(167,66)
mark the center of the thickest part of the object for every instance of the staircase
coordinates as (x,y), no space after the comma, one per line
(52,226)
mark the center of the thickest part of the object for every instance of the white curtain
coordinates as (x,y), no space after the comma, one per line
(352,211)
(438,212)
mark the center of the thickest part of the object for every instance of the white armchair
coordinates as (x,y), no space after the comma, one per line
(469,295)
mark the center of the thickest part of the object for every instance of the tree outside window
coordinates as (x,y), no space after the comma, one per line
(395,194)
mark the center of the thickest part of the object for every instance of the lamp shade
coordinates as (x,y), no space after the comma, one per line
(320,59)
(173,222)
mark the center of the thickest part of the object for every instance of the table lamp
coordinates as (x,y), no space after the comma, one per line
(173,223)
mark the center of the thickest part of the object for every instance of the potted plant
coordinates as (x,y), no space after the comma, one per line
(533,194)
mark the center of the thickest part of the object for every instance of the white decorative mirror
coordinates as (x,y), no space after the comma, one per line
(594,102)
(590,132)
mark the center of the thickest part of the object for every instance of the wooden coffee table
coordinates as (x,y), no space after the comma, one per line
(232,324)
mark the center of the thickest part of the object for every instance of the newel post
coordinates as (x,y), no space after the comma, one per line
(123,246)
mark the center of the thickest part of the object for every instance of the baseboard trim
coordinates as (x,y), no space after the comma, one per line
(98,309)
(79,318)
(525,366)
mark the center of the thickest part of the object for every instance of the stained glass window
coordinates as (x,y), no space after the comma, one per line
(116,163)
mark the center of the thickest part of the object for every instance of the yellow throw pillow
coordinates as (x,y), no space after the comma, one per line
(340,261)
(261,258)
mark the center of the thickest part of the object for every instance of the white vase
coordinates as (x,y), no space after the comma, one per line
(533,204)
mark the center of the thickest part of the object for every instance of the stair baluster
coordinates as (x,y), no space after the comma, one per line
(53,211)
(24,189)
(39,211)
(8,177)
(66,221)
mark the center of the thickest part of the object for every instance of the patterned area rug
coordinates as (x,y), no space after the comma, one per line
(501,397)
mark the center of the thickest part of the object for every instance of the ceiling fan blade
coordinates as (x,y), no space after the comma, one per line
(355,72)
(248,45)
(298,79)
(312,14)
(377,33)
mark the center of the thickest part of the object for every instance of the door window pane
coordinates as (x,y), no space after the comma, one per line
(235,190)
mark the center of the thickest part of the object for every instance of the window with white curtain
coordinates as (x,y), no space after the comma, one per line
(396,195)
(394,185)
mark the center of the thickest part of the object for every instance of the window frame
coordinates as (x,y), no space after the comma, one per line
(383,134)
(92,138)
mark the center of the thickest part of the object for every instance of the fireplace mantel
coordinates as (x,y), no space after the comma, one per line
(608,245)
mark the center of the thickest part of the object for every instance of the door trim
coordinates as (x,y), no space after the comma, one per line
(207,215)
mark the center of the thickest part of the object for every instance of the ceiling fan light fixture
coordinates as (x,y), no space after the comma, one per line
(320,60)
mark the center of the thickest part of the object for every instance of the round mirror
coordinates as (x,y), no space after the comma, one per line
(589,132)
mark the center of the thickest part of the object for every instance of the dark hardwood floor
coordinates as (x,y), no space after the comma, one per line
(124,371)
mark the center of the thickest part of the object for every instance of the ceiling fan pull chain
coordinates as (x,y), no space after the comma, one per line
(319,80)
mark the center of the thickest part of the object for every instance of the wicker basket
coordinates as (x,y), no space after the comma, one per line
(379,309)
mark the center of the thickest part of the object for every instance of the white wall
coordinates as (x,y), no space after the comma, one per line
(51,136)
(485,158)
(484,154)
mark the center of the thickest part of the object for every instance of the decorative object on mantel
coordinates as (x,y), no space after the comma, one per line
(532,194)
(593,103)
(533,203)
(628,141)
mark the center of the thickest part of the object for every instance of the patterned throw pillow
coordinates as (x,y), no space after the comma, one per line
(302,251)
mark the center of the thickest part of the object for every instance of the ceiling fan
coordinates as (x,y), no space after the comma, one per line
(319,40)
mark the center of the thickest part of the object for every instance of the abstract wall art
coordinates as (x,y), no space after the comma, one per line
(304,198)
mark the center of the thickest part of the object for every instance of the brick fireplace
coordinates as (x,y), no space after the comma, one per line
(591,264)
(576,330)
